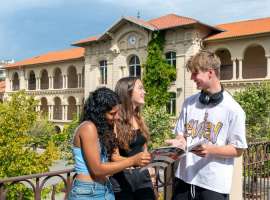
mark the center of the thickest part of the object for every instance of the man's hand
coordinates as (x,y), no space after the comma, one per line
(202,150)
(227,151)
(179,142)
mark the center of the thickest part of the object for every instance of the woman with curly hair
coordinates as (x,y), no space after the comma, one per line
(93,144)
(132,136)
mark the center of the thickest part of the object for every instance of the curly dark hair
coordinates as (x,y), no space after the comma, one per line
(99,102)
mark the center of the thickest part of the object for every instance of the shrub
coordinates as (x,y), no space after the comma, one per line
(160,125)
(17,156)
(255,100)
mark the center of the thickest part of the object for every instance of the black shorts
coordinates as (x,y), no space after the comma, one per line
(133,184)
(185,191)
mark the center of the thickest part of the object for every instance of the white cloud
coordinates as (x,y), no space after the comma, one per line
(9,7)
(209,11)
(212,11)
(17,37)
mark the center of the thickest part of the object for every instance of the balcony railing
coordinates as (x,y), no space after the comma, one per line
(256,177)
(37,183)
(243,82)
(256,182)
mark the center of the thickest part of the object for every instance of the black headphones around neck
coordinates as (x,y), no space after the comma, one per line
(214,99)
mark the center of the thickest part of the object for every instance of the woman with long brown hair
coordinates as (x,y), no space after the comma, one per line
(132,135)
(93,143)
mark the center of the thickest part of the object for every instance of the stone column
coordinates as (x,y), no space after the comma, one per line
(64,112)
(50,114)
(268,67)
(234,68)
(38,83)
(240,64)
(22,84)
(78,111)
(50,82)
(79,80)
(65,81)
(26,84)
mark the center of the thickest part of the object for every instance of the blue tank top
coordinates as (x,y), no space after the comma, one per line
(80,164)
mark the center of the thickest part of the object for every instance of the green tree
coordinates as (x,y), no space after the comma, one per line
(158,74)
(159,123)
(255,100)
(64,140)
(17,157)
(41,132)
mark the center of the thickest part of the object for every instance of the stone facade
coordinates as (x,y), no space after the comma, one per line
(62,87)
(59,87)
(245,61)
(118,51)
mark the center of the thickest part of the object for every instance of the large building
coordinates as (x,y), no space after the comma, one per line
(3,77)
(2,90)
(61,80)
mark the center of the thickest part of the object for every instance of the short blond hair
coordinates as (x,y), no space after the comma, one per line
(203,61)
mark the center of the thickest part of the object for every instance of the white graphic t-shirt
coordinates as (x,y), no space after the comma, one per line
(220,125)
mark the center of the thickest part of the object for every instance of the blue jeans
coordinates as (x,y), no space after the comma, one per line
(86,190)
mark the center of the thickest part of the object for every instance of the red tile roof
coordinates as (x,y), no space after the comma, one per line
(141,22)
(171,20)
(54,56)
(231,30)
(242,28)
(131,19)
(86,40)
(2,86)
(160,23)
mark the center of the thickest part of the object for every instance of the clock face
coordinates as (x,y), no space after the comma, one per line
(132,39)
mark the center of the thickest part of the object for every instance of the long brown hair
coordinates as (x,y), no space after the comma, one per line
(124,88)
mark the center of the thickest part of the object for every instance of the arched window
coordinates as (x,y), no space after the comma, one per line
(32,81)
(72,77)
(57,79)
(72,109)
(103,71)
(44,108)
(254,62)
(44,80)
(171,58)
(134,67)
(226,67)
(171,105)
(15,82)
(83,77)
(57,109)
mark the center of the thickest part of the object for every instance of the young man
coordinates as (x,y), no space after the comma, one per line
(213,117)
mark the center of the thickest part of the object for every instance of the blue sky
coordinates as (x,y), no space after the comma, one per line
(32,27)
